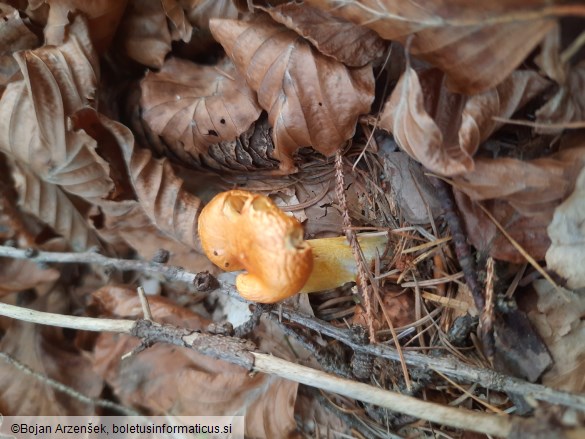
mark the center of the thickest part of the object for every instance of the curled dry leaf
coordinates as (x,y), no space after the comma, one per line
(21,274)
(311,99)
(14,36)
(103,18)
(168,380)
(47,202)
(528,231)
(199,12)
(568,103)
(522,197)
(180,27)
(443,130)
(159,191)
(193,106)
(46,350)
(531,187)
(567,233)
(460,37)
(559,320)
(348,43)
(144,31)
(34,115)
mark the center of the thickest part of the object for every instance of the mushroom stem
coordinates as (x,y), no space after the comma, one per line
(334,264)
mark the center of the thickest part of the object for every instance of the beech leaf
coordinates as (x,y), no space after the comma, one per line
(14,36)
(193,106)
(47,202)
(351,44)
(311,99)
(443,130)
(559,320)
(567,105)
(144,35)
(103,18)
(521,195)
(200,11)
(21,274)
(34,115)
(567,233)
(460,37)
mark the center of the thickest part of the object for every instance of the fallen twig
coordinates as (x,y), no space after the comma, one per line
(450,366)
(242,353)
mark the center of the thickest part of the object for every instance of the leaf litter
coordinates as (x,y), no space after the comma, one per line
(119,121)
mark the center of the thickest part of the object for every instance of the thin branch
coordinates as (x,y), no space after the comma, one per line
(170,273)
(241,353)
(450,366)
(447,365)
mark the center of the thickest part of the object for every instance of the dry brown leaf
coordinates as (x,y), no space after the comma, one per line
(567,233)
(103,18)
(559,320)
(311,99)
(159,191)
(193,106)
(34,115)
(522,197)
(180,26)
(47,202)
(443,130)
(567,105)
(549,59)
(200,11)
(145,34)
(20,274)
(353,45)
(14,36)
(169,380)
(531,187)
(476,45)
(45,350)
(528,231)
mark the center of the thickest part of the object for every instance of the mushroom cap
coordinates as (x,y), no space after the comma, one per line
(239,229)
(216,225)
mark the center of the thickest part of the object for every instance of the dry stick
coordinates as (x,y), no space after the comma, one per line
(66,389)
(172,274)
(238,352)
(450,366)
(464,255)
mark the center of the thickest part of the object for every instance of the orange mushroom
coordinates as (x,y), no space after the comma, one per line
(241,230)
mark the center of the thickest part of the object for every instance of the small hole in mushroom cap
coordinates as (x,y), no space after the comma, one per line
(236,202)
(227,264)
(261,203)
